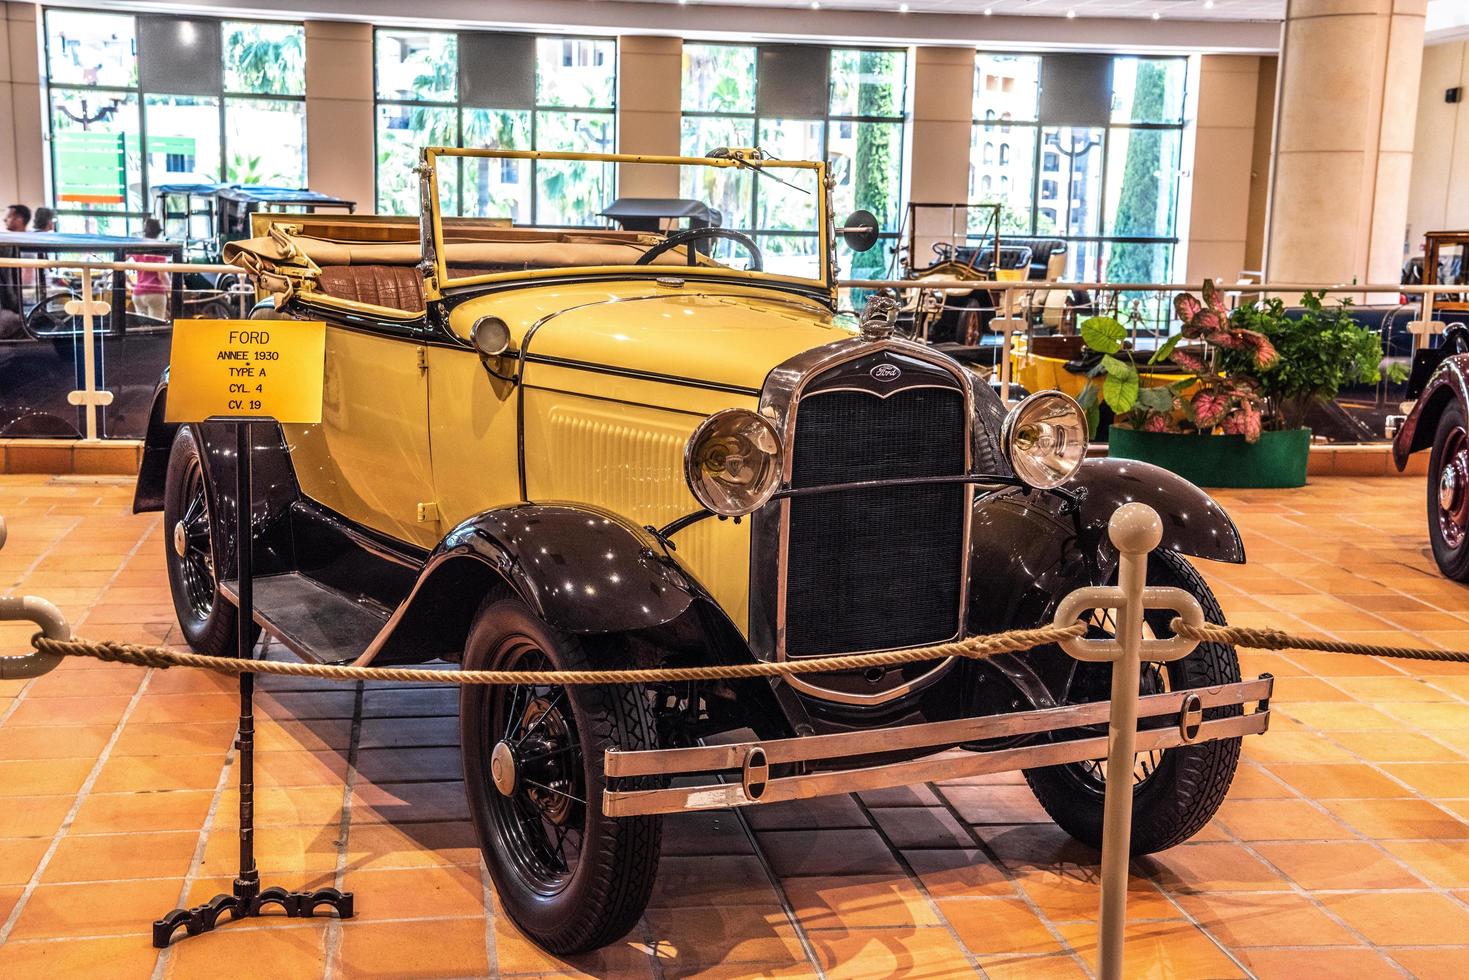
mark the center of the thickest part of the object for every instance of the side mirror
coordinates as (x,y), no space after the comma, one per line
(859,231)
(490,336)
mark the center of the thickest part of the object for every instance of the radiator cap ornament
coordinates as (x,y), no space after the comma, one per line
(879,316)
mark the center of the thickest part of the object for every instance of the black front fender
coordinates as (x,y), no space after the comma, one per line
(1193,522)
(580,569)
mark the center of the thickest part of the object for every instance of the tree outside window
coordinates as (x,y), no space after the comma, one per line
(422,101)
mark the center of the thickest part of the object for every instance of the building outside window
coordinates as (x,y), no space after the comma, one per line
(135,102)
(1110,167)
(503,91)
(844,105)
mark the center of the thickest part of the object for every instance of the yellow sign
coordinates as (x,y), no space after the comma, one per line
(246,368)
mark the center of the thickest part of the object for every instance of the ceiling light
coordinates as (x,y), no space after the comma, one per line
(988,11)
(1070,15)
(1208,4)
(815,5)
(1157,16)
(902,8)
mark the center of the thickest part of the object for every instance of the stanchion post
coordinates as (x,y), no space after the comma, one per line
(247,899)
(247,885)
(1135,530)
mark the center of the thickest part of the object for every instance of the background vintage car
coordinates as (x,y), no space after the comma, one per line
(525,435)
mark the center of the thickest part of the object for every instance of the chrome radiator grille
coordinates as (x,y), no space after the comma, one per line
(878,567)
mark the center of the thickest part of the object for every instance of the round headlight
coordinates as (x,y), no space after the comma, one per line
(732,462)
(1045,438)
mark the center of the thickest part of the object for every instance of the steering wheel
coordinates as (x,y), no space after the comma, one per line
(691,235)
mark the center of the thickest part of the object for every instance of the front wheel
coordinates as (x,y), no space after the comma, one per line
(1448,494)
(569,876)
(207,619)
(1175,791)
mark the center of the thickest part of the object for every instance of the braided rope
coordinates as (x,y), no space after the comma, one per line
(1273,639)
(977,647)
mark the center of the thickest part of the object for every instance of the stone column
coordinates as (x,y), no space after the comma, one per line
(649,104)
(1344,143)
(943,114)
(22,155)
(339,111)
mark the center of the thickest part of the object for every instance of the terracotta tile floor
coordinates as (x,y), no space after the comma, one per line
(1343,849)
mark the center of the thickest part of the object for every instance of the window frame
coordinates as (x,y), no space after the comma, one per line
(1039,125)
(141,95)
(460,107)
(827,120)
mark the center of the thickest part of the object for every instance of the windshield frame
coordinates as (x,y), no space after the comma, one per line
(432,223)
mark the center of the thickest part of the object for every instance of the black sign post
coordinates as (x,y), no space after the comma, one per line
(247,900)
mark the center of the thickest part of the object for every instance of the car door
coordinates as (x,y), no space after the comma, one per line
(368,459)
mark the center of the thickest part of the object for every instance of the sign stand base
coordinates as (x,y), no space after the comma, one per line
(248,899)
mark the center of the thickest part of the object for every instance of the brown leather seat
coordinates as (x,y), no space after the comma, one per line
(395,286)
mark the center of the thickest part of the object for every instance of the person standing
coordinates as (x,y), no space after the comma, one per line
(150,289)
(45,220)
(17,216)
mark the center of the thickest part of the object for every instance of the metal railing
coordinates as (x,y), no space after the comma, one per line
(68,304)
(1028,307)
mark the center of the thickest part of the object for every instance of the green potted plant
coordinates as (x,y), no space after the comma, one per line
(1238,418)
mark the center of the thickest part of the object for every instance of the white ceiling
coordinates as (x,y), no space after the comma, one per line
(1220,10)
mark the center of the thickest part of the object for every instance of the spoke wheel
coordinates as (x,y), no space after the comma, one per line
(193,546)
(1448,494)
(205,618)
(568,876)
(540,803)
(1176,791)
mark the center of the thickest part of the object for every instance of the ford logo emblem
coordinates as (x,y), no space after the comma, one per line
(885,372)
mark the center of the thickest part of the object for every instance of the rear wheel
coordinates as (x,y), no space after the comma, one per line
(206,618)
(1175,791)
(1448,494)
(569,876)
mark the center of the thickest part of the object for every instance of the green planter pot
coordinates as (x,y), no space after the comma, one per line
(1278,459)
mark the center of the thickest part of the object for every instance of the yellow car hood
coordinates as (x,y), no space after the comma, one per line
(711,334)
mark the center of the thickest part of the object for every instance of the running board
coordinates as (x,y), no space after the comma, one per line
(315,622)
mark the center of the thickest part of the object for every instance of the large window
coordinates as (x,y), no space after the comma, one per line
(1100,172)
(505,91)
(138,102)
(845,105)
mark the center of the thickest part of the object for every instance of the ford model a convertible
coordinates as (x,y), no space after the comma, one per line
(601,448)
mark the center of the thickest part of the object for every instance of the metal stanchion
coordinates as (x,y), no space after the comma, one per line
(36,610)
(88,396)
(1135,530)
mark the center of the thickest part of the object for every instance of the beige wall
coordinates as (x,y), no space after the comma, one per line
(22,156)
(339,111)
(1218,204)
(649,78)
(943,109)
(1260,163)
(1439,197)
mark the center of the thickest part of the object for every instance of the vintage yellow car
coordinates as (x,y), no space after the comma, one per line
(564,448)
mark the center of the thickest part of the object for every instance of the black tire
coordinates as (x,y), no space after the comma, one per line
(568,897)
(1448,506)
(206,618)
(1177,791)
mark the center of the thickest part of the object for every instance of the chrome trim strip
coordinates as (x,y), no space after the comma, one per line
(770,525)
(627,803)
(939,734)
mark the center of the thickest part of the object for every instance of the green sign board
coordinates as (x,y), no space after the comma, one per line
(91,168)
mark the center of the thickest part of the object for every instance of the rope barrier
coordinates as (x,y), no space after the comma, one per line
(976,647)
(1273,639)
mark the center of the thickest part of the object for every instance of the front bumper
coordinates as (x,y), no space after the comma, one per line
(739,774)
